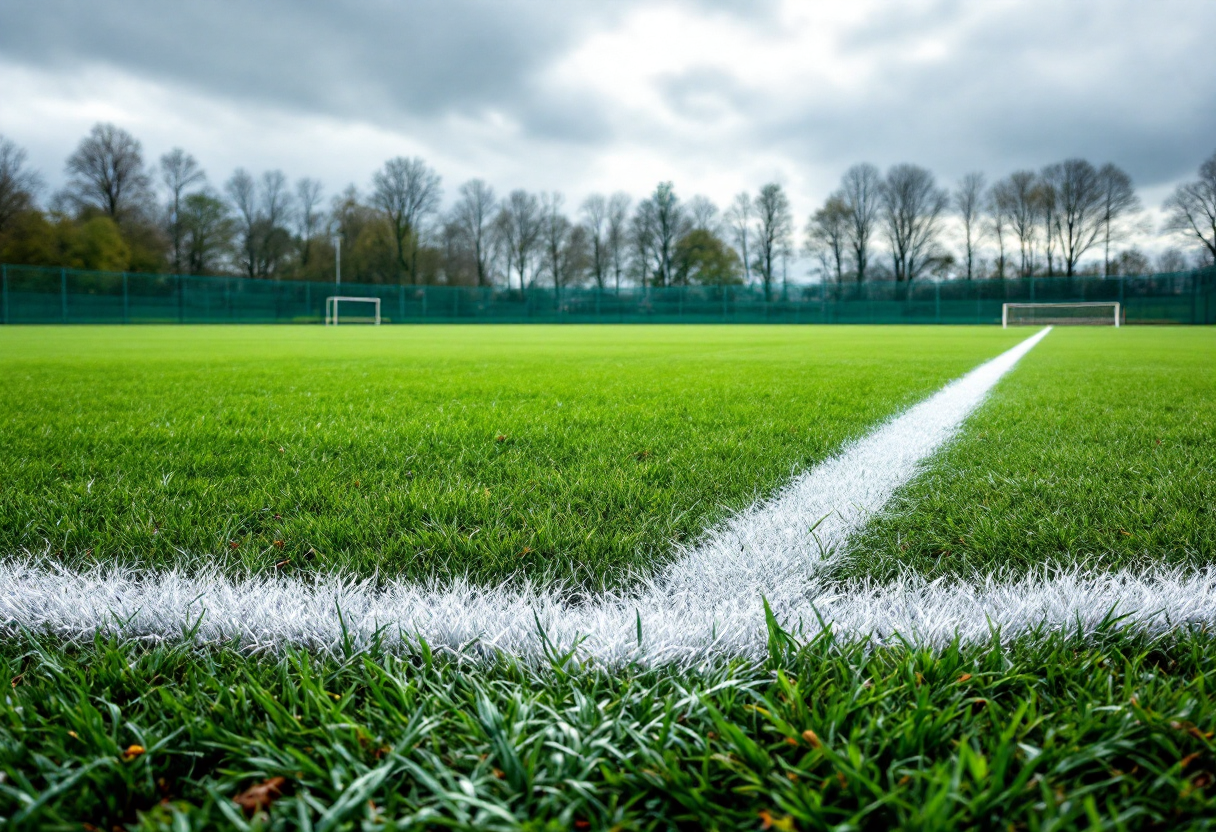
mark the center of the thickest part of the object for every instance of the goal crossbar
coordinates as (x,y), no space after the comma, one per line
(332,302)
(1099,313)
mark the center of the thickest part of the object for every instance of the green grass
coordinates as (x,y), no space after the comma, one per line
(576,454)
(130,444)
(1098,450)
(1046,733)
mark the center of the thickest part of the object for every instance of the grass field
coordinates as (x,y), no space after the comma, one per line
(160,447)
(1099,451)
(577,454)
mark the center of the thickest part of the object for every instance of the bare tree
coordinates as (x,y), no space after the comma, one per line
(774,227)
(969,203)
(665,222)
(912,206)
(1080,212)
(1118,201)
(264,210)
(641,236)
(1191,209)
(473,215)
(521,228)
(616,240)
(998,223)
(555,232)
(406,191)
(106,173)
(242,191)
(595,220)
(739,218)
(18,184)
(308,215)
(827,235)
(1171,260)
(703,214)
(1047,200)
(1016,198)
(178,172)
(861,189)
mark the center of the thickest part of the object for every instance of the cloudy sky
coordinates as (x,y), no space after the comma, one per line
(614,95)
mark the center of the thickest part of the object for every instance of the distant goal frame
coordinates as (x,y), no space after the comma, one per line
(1116,317)
(332,305)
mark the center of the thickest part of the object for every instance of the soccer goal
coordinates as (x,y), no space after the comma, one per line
(1107,313)
(334,303)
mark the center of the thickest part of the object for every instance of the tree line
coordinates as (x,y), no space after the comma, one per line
(118,212)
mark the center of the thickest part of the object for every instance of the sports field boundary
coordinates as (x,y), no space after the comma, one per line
(712,601)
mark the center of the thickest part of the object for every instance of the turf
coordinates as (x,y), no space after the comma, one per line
(1097,451)
(1045,733)
(570,454)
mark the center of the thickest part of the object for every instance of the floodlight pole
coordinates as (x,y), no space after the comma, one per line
(338,260)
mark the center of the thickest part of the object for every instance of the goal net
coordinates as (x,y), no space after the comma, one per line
(1063,314)
(352,310)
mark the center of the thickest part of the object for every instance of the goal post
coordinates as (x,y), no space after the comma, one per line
(1091,313)
(333,304)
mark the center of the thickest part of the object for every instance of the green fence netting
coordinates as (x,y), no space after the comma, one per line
(39,295)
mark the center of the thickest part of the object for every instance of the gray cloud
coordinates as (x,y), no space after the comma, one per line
(951,85)
(378,60)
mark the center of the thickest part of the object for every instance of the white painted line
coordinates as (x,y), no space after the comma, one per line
(706,604)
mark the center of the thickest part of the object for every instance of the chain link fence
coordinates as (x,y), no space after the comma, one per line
(40,295)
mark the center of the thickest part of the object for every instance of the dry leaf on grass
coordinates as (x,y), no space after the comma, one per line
(260,796)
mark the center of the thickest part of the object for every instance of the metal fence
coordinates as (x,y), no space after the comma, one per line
(39,295)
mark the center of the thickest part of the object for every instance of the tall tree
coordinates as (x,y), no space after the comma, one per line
(998,223)
(774,227)
(263,211)
(616,239)
(1080,212)
(969,204)
(308,216)
(861,188)
(595,219)
(473,215)
(827,235)
(555,234)
(207,232)
(106,173)
(739,218)
(242,191)
(1119,200)
(179,171)
(406,191)
(18,184)
(1047,201)
(912,206)
(522,228)
(665,223)
(703,214)
(1191,209)
(1017,198)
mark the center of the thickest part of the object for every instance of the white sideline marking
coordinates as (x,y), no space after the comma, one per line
(707,604)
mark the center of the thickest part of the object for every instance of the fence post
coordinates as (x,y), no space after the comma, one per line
(425,295)
(126,309)
(401,303)
(937,303)
(63,293)
(4,293)
(181,299)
